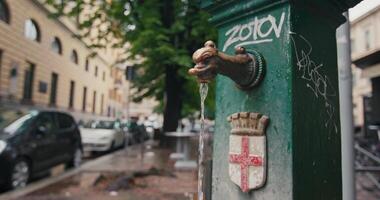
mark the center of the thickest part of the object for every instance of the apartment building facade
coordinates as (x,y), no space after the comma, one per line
(43,65)
(365,53)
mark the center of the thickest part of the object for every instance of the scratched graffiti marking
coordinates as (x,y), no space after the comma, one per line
(316,80)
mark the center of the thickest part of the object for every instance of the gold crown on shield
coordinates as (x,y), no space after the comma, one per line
(248,123)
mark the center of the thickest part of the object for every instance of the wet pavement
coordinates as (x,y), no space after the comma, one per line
(127,175)
(123,175)
(365,189)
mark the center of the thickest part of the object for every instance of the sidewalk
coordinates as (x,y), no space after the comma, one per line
(365,189)
(122,175)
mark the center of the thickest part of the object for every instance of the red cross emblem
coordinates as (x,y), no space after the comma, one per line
(245,160)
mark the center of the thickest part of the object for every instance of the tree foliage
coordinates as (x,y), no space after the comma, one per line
(160,34)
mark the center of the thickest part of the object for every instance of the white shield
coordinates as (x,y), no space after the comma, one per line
(247,161)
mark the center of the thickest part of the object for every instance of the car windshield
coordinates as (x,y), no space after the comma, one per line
(7,116)
(20,123)
(101,125)
(12,121)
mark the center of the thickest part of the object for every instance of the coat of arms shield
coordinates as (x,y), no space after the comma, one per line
(247,154)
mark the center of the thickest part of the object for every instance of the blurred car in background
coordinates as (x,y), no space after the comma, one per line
(35,141)
(103,135)
(152,126)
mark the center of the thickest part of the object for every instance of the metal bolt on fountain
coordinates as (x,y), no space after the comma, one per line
(245,68)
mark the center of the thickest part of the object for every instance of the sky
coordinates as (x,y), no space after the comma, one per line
(362,8)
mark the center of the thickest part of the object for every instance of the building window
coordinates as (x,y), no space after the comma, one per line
(28,83)
(1,59)
(367,36)
(13,85)
(84,99)
(94,102)
(56,46)
(53,89)
(72,92)
(4,11)
(87,65)
(101,104)
(74,57)
(32,30)
(96,71)
(42,87)
(104,76)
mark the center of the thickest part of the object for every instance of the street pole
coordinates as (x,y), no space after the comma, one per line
(128,100)
(127,115)
(128,77)
(346,118)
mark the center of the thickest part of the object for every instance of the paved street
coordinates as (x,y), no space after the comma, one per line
(121,175)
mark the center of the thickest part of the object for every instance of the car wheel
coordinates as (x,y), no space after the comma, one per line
(112,147)
(76,159)
(124,143)
(20,174)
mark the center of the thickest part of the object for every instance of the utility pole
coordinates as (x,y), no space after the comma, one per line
(346,118)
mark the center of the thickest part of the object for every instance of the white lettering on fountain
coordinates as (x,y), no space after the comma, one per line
(253,33)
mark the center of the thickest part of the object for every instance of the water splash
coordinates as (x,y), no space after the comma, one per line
(203,90)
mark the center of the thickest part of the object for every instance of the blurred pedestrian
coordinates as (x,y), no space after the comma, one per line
(138,132)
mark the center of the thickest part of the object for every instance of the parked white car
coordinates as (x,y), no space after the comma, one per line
(102,136)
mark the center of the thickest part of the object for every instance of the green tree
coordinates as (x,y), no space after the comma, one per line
(163,34)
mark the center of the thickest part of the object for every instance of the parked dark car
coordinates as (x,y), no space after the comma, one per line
(34,142)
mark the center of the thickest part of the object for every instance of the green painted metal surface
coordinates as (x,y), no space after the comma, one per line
(299,94)
(315,107)
(272,98)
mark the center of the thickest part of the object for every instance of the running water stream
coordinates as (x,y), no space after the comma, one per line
(203,90)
